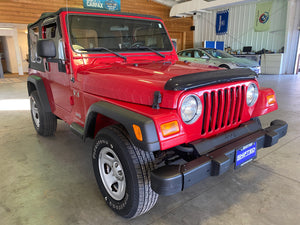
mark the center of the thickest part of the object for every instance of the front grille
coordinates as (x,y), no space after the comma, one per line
(222,108)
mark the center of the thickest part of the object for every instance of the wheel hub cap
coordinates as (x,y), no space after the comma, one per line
(111,173)
(35,113)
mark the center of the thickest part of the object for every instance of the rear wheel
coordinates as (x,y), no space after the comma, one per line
(224,66)
(45,123)
(123,172)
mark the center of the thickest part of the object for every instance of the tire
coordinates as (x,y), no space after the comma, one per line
(45,123)
(122,172)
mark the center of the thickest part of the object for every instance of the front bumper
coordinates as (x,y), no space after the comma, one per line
(217,157)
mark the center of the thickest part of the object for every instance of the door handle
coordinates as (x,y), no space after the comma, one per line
(47,66)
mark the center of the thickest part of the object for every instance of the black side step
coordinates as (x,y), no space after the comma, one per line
(77,129)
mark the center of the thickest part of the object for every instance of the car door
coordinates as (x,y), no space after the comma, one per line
(55,68)
(186,55)
(201,57)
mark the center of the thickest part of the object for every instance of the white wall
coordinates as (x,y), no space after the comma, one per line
(15,46)
(291,37)
(241,28)
(10,54)
(23,44)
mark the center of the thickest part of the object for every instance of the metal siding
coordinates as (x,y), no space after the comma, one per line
(241,28)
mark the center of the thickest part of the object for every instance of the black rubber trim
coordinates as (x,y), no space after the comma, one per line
(204,146)
(196,80)
(170,179)
(127,118)
(53,14)
(60,63)
(38,83)
(59,27)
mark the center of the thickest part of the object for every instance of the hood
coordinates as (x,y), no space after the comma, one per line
(241,62)
(136,83)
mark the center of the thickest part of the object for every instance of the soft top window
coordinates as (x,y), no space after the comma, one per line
(33,39)
(87,33)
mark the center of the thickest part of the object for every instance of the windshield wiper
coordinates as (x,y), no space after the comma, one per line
(105,49)
(151,49)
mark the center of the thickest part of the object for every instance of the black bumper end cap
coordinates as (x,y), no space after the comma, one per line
(167,180)
(277,129)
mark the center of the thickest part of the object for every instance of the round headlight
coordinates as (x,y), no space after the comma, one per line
(191,109)
(252,94)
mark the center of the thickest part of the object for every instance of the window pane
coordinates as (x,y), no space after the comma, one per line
(118,34)
(34,37)
(50,31)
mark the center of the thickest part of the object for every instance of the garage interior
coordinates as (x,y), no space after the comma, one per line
(51,180)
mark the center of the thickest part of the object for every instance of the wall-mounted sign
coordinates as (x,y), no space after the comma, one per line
(222,22)
(111,5)
(262,16)
(214,44)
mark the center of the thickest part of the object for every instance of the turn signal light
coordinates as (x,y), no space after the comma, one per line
(271,99)
(169,128)
(137,132)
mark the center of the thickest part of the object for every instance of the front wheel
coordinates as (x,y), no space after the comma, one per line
(45,123)
(123,172)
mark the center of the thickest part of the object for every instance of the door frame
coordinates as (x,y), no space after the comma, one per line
(11,31)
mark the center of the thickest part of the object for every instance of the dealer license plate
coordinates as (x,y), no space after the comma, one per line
(245,155)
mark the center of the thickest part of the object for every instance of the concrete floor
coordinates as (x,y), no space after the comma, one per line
(50,181)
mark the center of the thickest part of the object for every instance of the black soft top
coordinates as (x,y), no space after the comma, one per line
(53,14)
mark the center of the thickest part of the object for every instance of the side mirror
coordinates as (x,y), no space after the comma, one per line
(46,48)
(204,57)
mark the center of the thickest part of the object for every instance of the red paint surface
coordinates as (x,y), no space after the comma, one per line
(131,84)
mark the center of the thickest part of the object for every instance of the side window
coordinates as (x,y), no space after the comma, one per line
(197,54)
(201,53)
(188,54)
(33,39)
(50,31)
(61,50)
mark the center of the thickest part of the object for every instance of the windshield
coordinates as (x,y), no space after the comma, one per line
(89,33)
(218,54)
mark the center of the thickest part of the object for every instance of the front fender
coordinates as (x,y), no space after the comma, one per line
(262,106)
(127,118)
(36,83)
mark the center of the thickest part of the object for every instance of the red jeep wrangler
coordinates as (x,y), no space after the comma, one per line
(159,125)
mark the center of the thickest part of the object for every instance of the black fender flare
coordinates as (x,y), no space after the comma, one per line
(36,83)
(127,118)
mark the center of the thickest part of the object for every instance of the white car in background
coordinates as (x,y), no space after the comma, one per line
(215,57)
